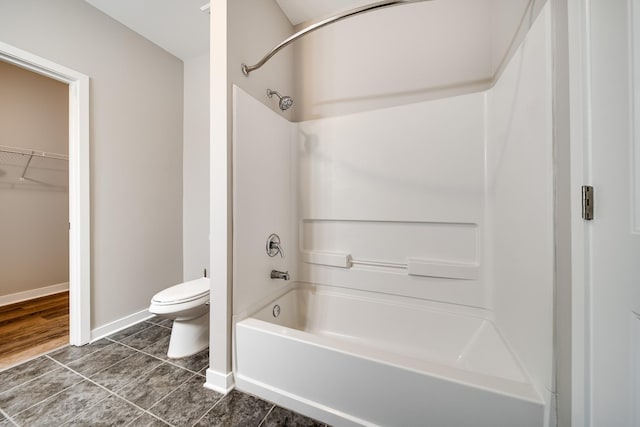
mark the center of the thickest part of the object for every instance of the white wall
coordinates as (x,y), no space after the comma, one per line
(34,115)
(391,185)
(407,54)
(195,164)
(264,200)
(520,202)
(466,180)
(136,145)
(394,56)
(360,174)
(509,24)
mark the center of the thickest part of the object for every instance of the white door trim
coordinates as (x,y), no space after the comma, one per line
(79,202)
(579,48)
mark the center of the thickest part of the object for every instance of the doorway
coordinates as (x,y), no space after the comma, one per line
(34,181)
(78,183)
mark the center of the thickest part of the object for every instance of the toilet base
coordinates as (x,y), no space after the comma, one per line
(189,337)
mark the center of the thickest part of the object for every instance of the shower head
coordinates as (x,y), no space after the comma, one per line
(285,101)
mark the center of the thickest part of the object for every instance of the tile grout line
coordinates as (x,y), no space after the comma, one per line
(128,357)
(211,409)
(105,368)
(69,345)
(31,359)
(157,324)
(194,374)
(148,411)
(47,398)
(8,417)
(86,409)
(32,379)
(152,415)
(114,394)
(58,365)
(131,335)
(168,361)
(265,417)
(173,391)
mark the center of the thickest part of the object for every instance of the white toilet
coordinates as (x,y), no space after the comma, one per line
(187,304)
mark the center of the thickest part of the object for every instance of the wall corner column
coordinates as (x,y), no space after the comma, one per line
(219,374)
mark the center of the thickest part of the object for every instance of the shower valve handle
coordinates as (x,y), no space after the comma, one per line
(273,246)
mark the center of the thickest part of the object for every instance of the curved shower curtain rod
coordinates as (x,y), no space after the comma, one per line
(246,69)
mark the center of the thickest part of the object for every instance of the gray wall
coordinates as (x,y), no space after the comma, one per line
(254,27)
(195,223)
(241,31)
(136,145)
(34,115)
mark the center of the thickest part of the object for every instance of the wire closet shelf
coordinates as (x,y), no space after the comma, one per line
(30,154)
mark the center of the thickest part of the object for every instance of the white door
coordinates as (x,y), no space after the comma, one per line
(612,239)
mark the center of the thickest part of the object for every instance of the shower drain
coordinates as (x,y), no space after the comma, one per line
(276,310)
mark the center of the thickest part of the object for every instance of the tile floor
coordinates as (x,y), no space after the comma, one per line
(127,380)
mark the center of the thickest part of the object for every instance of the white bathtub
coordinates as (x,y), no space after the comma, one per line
(353,359)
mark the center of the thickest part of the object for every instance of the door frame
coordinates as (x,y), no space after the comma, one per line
(580,141)
(79,190)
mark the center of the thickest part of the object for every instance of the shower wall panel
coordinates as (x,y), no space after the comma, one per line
(399,192)
(264,200)
(520,202)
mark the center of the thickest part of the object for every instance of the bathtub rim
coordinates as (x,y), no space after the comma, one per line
(528,390)
(420,303)
(519,390)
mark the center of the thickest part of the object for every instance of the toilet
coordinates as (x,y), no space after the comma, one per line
(187,304)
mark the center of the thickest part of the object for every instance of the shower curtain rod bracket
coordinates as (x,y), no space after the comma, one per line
(247,69)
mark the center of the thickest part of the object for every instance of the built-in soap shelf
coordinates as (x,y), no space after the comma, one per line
(332,259)
(414,266)
(450,270)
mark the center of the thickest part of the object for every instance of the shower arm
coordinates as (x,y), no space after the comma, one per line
(246,69)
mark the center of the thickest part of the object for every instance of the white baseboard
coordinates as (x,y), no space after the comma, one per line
(33,293)
(120,324)
(217,381)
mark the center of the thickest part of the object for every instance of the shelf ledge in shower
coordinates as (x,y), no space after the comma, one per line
(429,268)
(413,267)
(333,259)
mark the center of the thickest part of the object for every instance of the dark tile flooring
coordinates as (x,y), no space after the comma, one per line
(126,379)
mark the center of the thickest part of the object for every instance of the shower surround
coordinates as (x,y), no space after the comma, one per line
(445,205)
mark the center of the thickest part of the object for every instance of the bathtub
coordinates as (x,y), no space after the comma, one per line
(349,358)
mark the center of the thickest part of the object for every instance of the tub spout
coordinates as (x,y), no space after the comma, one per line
(275,274)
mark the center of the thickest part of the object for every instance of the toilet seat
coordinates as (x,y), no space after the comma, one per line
(187,304)
(182,293)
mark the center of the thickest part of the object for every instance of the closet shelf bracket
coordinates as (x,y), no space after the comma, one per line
(26,166)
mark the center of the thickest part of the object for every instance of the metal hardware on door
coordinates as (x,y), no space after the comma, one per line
(587,202)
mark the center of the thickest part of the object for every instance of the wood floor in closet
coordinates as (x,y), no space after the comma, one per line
(33,327)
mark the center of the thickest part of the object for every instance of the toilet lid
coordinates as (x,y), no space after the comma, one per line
(183,292)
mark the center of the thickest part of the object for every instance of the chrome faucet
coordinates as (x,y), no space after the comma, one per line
(284,275)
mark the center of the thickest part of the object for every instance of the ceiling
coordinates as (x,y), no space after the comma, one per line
(299,11)
(177,26)
(182,29)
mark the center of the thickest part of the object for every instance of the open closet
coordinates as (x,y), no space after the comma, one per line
(34,214)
